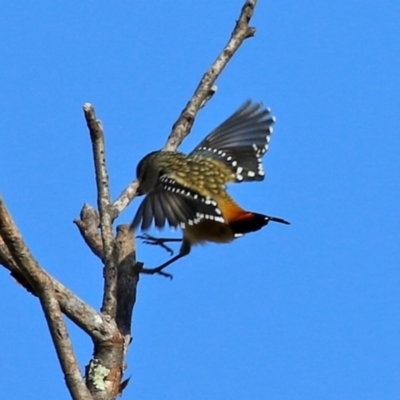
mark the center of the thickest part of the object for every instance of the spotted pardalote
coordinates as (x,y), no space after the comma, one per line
(189,191)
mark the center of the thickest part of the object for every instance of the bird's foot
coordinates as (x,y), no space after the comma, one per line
(148,239)
(153,271)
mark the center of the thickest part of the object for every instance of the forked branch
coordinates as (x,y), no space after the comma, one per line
(110,330)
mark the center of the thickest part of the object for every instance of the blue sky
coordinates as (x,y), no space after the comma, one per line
(306,311)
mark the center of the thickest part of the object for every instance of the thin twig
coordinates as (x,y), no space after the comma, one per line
(185,121)
(126,196)
(202,94)
(109,303)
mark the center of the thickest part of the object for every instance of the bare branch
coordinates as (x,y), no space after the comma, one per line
(109,343)
(109,304)
(105,370)
(210,94)
(185,121)
(111,329)
(20,252)
(42,285)
(62,343)
(126,197)
(86,317)
(202,94)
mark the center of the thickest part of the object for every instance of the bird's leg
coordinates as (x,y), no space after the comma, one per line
(148,239)
(184,251)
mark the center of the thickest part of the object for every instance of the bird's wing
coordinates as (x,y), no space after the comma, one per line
(241,141)
(176,204)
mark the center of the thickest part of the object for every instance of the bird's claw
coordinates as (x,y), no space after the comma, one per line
(153,241)
(152,271)
(166,274)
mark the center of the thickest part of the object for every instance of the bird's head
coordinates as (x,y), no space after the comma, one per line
(148,171)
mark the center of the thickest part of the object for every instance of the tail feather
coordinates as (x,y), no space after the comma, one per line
(251,222)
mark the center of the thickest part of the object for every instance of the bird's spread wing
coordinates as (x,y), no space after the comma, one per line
(241,141)
(176,204)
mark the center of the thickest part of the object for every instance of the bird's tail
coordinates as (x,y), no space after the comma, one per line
(251,222)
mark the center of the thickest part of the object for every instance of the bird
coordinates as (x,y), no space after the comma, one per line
(189,191)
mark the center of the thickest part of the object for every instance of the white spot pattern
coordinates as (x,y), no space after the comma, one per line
(169,186)
(259,152)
